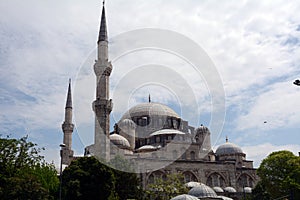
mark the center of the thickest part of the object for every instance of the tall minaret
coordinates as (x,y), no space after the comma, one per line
(102,106)
(67,128)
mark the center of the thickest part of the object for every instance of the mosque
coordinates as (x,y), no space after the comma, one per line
(156,139)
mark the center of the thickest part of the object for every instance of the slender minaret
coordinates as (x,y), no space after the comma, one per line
(102,106)
(67,128)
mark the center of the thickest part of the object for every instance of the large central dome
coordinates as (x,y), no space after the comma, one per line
(150,109)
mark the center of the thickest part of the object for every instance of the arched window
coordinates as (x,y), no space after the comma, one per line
(189,176)
(156,175)
(215,180)
(157,139)
(245,181)
(151,179)
(193,155)
(183,153)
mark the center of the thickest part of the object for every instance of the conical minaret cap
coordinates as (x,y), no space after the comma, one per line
(69,96)
(103,30)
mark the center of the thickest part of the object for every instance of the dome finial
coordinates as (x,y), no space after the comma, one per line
(149,98)
(226,138)
(103,2)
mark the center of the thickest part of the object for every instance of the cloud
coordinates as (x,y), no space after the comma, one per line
(277,105)
(253,44)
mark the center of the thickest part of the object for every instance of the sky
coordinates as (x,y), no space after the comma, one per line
(242,87)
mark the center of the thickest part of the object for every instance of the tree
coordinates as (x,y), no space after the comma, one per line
(127,182)
(24,173)
(260,192)
(167,188)
(280,174)
(87,178)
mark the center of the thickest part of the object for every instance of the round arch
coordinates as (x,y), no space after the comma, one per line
(189,176)
(245,180)
(216,179)
(155,175)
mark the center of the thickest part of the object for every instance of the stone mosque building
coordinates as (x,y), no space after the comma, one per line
(156,139)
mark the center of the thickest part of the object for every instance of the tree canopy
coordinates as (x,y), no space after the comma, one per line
(167,188)
(24,173)
(280,175)
(88,178)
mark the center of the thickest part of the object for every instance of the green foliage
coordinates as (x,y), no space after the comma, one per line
(24,173)
(260,192)
(280,174)
(87,178)
(165,189)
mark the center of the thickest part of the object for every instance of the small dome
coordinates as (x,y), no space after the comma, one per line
(184,197)
(218,189)
(248,189)
(230,190)
(225,198)
(228,148)
(202,191)
(127,122)
(192,184)
(119,140)
(149,109)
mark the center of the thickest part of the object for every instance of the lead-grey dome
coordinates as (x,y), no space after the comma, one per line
(248,189)
(230,190)
(218,189)
(202,191)
(119,141)
(228,148)
(149,109)
(127,122)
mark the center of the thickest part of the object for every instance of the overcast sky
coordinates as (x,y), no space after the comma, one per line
(252,45)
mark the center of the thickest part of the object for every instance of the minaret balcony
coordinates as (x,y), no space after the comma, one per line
(103,104)
(67,127)
(101,69)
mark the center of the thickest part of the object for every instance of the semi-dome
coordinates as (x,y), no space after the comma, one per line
(119,140)
(149,109)
(228,148)
(202,191)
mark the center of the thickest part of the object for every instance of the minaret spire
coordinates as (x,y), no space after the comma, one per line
(67,128)
(69,96)
(102,105)
(103,29)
